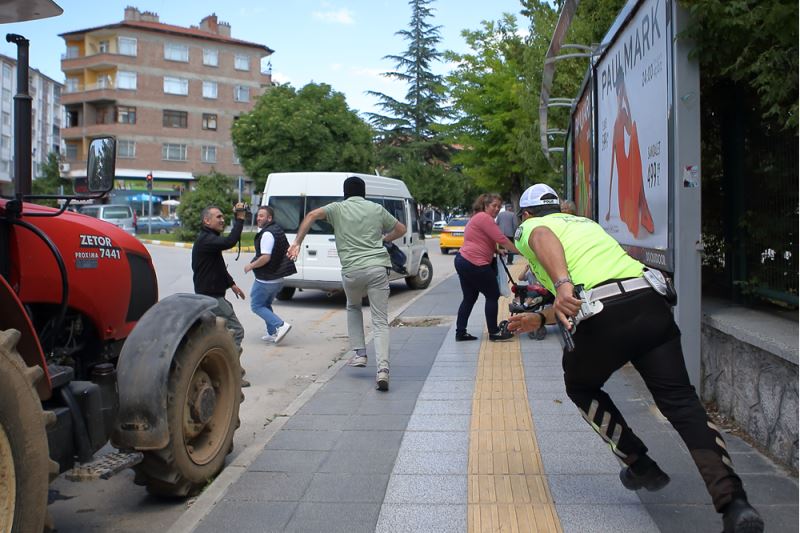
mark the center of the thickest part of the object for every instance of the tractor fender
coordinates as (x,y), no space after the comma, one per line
(144,366)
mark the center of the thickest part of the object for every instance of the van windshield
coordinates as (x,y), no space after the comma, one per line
(290,210)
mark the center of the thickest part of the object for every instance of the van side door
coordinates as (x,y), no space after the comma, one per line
(397,208)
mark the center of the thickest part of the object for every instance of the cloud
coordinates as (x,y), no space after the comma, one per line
(337,16)
(280,77)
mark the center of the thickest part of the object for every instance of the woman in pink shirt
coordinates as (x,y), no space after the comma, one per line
(476,268)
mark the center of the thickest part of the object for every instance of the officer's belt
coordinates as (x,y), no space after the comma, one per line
(616,288)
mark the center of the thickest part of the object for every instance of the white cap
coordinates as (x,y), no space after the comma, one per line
(532,197)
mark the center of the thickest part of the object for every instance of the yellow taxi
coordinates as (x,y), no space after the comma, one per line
(452,236)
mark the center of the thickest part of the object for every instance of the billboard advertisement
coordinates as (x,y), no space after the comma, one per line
(633,106)
(582,170)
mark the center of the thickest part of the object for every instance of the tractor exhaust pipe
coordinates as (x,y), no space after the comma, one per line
(22,119)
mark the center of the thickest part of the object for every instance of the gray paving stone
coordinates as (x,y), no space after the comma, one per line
(287,461)
(770,489)
(304,440)
(560,422)
(397,371)
(584,463)
(334,517)
(572,443)
(430,463)
(331,404)
(444,407)
(398,389)
(354,488)
(391,406)
(420,422)
(405,518)
(545,371)
(377,422)
(448,395)
(616,518)
(247,517)
(753,463)
(552,385)
(372,439)
(447,387)
(362,461)
(688,518)
(550,395)
(317,422)
(427,489)
(445,372)
(682,489)
(551,406)
(590,489)
(269,486)
(436,441)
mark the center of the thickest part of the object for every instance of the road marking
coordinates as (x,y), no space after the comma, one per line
(506,484)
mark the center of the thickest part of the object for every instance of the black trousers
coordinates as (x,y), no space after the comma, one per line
(639,327)
(477,280)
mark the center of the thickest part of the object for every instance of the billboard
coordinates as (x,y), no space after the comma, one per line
(633,112)
(582,161)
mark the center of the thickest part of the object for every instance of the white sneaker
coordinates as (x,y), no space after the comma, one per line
(282,331)
(268,338)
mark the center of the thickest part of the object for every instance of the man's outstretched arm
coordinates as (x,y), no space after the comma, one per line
(305,227)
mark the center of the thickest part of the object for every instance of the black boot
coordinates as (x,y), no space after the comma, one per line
(740,517)
(643,474)
(465,337)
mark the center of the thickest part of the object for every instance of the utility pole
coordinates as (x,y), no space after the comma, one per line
(150,203)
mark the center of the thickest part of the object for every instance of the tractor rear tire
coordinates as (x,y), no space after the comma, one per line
(24,454)
(203,398)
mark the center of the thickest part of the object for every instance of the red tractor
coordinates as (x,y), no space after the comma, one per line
(88,353)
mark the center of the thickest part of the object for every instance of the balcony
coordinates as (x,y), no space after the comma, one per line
(94,130)
(99,61)
(103,91)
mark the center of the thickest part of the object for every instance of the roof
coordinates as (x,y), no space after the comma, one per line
(175,30)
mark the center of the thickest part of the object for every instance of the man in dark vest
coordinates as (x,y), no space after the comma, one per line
(270,266)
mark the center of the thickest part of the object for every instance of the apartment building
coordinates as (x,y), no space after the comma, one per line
(169,94)
(46,115)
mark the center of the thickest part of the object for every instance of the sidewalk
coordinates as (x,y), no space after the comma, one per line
(473,436)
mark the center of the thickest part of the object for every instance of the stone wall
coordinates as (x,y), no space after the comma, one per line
(756,388)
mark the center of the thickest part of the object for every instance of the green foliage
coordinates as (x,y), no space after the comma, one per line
(409,140)
(751,42)
(214,189)
(50,181)
(307,130)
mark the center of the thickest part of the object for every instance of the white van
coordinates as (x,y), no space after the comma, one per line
(293,194)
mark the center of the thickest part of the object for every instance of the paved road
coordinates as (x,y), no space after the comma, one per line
(278,374)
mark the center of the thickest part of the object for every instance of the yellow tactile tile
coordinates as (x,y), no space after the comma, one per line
(507,488)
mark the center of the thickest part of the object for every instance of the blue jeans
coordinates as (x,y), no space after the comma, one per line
(261,297)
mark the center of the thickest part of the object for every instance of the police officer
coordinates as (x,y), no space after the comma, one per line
(635,325)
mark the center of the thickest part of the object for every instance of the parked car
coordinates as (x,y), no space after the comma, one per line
(452,236)
(121,215)
(156,225)
(439,225)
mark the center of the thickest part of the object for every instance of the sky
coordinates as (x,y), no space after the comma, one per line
(338,42)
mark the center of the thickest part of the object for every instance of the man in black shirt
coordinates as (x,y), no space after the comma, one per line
(211,276)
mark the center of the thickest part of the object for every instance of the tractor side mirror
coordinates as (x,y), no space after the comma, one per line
(101,164)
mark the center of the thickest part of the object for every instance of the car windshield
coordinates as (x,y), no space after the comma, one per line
(458,222)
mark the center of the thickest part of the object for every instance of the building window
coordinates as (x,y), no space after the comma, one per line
(241,62)
(236,158)
(126,80)
(175,119)
(73,51)
(6,118)
(211,57)
(176,52)
(73,85)
(56,94)
(173,152)
(126,149)
(102,47)
(72,151)
(127,46)
(104,115)
(176,85)
(104,82)
(5,142)
(209,121)
(126,114)
(208,154)
(241,93)
(209,89)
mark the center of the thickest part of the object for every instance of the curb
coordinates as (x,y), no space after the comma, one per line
(212,495)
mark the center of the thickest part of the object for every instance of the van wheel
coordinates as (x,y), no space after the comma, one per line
(423,277)
(444,251)
(285,294)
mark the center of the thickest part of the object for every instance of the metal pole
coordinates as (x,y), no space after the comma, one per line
(149,213)
(22,119)
(687,194)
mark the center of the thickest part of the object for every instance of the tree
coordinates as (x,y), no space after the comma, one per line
(409,142)
(49,181)
(307,130)
(214,189)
